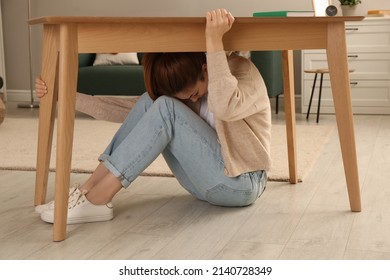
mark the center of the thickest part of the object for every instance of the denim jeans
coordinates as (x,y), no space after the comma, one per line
(190,147)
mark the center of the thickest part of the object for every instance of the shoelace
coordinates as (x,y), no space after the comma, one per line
(71,192)
(75,198)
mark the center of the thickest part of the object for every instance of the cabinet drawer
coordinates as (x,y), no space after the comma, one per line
(364,93)
(367,66)
(368,36)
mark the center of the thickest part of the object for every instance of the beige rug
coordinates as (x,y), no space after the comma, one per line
(18,142)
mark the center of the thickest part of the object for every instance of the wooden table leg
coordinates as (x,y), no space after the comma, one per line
(339,77)
(68,63)
(47,111)
(289,107)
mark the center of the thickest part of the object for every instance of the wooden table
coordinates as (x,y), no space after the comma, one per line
(65,37)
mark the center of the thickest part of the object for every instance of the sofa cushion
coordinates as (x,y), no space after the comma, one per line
(111,80)
(116,58)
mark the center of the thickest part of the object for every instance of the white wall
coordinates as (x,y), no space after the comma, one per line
(16,31)
(159,7)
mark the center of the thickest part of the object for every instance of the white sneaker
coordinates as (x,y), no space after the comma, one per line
(40,208)
(80,210)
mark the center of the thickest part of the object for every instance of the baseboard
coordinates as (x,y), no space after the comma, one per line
(20,96)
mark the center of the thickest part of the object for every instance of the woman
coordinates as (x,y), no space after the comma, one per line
(208,114)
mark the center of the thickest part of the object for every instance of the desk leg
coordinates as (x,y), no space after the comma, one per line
(46,111)
(68,61)
(339,77)
(289,105)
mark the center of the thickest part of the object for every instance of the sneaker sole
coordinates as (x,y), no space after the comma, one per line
(87,219)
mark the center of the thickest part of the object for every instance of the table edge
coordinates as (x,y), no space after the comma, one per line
(238,20)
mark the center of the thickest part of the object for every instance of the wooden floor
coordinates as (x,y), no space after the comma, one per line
(156,219)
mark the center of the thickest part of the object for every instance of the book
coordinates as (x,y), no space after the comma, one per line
(284,14)
(378,13)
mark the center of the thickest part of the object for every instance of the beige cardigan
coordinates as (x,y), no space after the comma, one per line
(238,98)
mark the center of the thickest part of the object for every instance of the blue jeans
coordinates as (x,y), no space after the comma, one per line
(190,147)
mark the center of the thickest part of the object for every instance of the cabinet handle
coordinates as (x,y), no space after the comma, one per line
(352,29)
(354,83)
(353,56)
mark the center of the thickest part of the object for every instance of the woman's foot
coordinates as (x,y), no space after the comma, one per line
(80,210)
(40,208)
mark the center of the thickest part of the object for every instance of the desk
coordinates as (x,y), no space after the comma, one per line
(65,37)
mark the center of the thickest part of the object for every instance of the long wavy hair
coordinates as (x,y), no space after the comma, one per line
(171,73)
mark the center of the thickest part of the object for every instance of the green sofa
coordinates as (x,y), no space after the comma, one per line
(125,80)
(269,64)
(120,80)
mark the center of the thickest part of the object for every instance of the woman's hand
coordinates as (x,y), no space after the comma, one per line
(218,22)
(40,87)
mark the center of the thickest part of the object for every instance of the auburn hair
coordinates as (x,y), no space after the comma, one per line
(171,73)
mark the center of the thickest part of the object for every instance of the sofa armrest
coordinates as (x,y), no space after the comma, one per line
(86,59)
(269,64)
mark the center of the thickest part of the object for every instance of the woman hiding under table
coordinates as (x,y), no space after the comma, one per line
(208,114)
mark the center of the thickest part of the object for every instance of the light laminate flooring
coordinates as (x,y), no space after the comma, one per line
(156,219)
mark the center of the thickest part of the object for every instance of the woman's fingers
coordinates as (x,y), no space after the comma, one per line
(40,87)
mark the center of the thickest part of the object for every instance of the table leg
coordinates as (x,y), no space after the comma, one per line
(47,111)
(289,107)
(339,77)
(68,63)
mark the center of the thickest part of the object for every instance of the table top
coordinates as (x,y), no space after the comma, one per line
(175,34)
(238,20)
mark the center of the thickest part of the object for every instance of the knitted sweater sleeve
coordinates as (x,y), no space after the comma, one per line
(236,89)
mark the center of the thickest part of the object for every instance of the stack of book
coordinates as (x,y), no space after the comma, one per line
(284,14)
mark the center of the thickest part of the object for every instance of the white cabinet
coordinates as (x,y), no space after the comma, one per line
(2,58)
(368,44)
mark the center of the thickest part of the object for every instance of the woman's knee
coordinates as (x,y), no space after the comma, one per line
(165,100)
(145,100)
(171,105)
